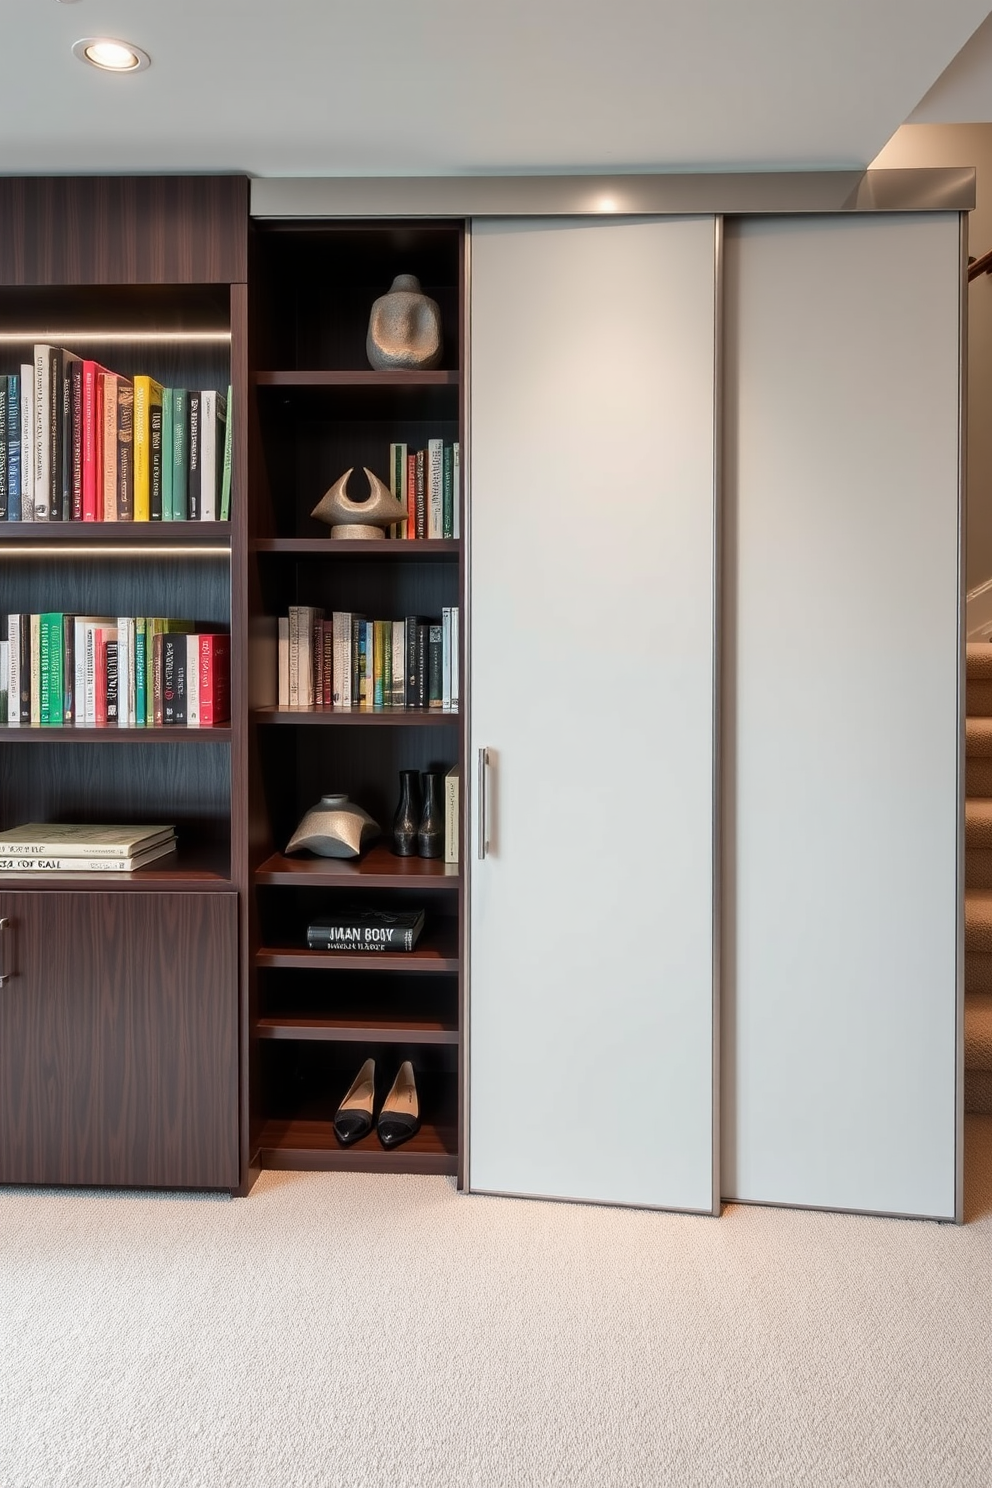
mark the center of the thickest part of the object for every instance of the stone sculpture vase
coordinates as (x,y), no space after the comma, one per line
(359,519)
(404,328)
(334,828)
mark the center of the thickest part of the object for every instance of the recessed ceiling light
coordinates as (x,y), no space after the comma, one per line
(110,55)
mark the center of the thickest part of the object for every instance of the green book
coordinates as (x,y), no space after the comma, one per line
(448,491)
(44,644)
(168,455)
(140,663)
(180,454)
(224,512)
(56,664)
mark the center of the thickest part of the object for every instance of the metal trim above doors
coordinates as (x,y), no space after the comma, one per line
(947,188)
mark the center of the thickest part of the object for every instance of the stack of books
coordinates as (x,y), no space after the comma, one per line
(79,443)
(351,662)
(426,482)
(134,671)
(82,847)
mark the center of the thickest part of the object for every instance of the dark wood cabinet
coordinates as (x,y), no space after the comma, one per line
(119,1039)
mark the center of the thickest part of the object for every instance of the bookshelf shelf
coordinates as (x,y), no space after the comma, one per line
(114,535)
(188,870)
(357,379)
(433,953)
(388,550)
(343,717)
(111,733)
(311,1145)
(379,868)
(337,1030)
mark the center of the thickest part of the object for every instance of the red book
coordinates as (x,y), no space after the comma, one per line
(101,636)
(92,451)
(215,680)
(411,494)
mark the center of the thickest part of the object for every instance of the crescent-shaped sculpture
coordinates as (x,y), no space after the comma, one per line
(359,519)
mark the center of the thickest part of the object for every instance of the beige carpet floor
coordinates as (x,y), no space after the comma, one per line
(352,1330)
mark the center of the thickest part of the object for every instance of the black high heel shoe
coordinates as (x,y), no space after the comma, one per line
(353,1117)
(399,1118)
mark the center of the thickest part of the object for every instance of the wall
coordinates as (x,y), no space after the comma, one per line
(966,144)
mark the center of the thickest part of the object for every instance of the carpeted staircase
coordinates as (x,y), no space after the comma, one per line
(978,884)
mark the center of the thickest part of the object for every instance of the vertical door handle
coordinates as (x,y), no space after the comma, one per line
(5,975)
(483,802)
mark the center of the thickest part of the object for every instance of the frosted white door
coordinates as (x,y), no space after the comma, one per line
(842,656)
(592,421)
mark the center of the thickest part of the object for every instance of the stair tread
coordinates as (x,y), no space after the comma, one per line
(978,821)
(979,661)
(978,737)
(978,920)
(978,1030)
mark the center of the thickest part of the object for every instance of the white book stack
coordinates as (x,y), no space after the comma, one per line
(82,847)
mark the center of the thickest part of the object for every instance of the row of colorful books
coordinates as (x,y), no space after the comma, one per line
(348,661)
(82,847)
(125,670)
(79,443)
(426,481)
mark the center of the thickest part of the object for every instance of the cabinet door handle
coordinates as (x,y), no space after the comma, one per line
(5,975)
(483,802)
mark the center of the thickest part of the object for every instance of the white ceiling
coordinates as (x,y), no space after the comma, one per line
(420,87)
(963,92)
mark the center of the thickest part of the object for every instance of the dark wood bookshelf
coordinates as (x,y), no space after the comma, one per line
(130,982)
(337,717)
(319,410)
(378,868)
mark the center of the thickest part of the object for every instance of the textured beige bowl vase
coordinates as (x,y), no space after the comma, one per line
(404,328)
(334,828)
(359,519)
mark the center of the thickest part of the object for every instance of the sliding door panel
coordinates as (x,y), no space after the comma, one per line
(842,743)
(592,459)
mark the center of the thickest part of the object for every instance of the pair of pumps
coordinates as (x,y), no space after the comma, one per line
(399,1117)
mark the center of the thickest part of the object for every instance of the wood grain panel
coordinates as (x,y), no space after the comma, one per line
(125,583)
(123,229)
(188,784)
(118,1040)
(359,583)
